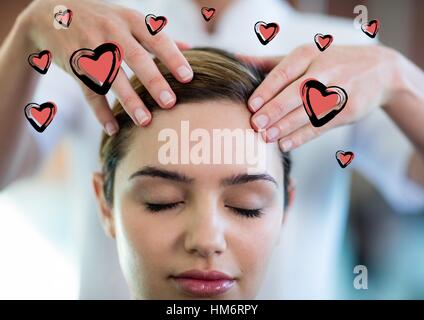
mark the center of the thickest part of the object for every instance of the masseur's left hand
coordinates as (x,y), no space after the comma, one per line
(369,75)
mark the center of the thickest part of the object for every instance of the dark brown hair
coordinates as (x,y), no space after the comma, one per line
(218,75)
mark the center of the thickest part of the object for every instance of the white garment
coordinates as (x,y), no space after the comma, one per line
(304,263)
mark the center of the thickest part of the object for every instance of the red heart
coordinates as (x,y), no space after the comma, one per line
(64,18)
(371,28)
(208,13)
(40,61)
(155,24)
(266,31)
(40,116)
(97,68)
(323,41)
(344,158)
(321,103)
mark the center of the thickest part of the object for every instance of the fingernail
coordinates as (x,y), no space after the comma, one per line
(111,128)
(260,121)
(166,97)
(185,73)
(286,145)
(256,103)
(272,133)
(141,116)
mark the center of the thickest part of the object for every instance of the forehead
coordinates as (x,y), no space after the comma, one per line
(200,138)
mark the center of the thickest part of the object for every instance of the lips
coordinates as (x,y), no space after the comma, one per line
(203,283)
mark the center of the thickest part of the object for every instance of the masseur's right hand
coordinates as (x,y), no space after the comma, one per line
(95,22)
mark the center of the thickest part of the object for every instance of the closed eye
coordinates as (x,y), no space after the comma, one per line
(248,213)
(156,207)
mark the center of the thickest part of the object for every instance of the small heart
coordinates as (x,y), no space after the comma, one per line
(371,28)
(322,103)
(40,61)
(323,41)
(40,116)
(97,68)
(64,18)
(344,158)
(155,24)
(266,31)
(208,13)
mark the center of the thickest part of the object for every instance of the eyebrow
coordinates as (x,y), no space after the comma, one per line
(155,172)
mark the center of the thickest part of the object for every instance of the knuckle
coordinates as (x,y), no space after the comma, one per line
(157,40)
(280,74)
(129,100)
(132,16)
(135,53)
(155,80)
(307,49)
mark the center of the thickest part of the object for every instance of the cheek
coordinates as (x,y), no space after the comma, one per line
(143,241)
(252,245)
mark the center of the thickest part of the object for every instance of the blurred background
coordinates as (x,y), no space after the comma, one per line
(35,246)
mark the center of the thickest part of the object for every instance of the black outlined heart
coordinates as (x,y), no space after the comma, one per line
(322,103)
(266,31)
(344,158)
(40,61)
(323,41)
(371,28)
(155,24)
(64,18)
(40,116)
(97,68)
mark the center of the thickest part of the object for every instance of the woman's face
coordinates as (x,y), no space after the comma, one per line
(169,218)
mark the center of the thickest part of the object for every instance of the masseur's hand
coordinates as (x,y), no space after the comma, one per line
(367,73)
(95,22)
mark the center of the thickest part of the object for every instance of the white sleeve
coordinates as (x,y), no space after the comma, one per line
(62,89)
(382,154)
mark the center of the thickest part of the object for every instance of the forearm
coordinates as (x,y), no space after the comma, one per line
(406,109)
(16,88)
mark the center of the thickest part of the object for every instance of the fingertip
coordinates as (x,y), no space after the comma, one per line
(185,73)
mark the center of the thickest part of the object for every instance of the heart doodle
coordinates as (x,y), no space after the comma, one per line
(266,31)
(208,13)
(40,61)
(344,158)
(155,24)
(371,28)
(64,18)
(322,103)
(97,68)
(40,116)
(323,41)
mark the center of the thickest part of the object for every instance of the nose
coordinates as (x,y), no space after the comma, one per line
(205,234)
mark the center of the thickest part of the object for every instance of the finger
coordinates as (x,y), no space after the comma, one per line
(300,137)
(284,103)
(162,47)
(265,64)
(102,111)
(140,61)
(288,70)
(290,123)
(130,100)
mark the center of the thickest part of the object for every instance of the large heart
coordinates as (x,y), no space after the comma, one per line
(208,13)
(371,28)
(97,68)
(40,61)
(266,31)
(320,102)
(323,41)
(155,24)
(40,116)
(64,18)
(344,158)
